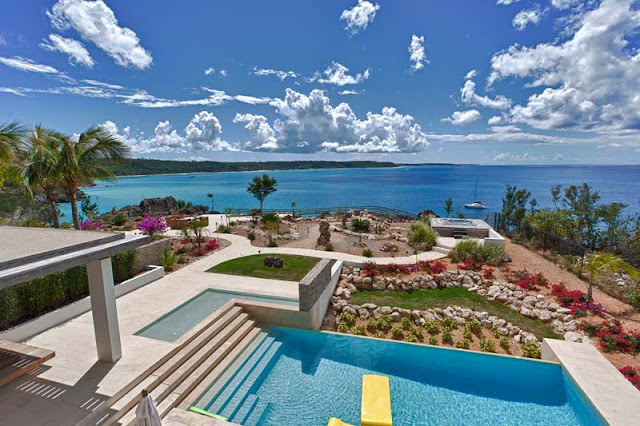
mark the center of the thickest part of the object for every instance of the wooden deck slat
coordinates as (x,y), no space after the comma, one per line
(29,358)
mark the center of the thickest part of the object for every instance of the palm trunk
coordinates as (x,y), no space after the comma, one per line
(71,193)
(51,198)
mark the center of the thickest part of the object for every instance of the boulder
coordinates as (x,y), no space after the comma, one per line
(273,262)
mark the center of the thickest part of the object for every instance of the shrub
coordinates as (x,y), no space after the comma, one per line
(212,245)
(397,333)
(225,229)
(343,327)
(328,247)
(470,265)
(360,225)
(347,317)
(385,323)
(169,260)
(487,345)
(406,323)
(632,374)
(475,326)
(466,333)
(487,273)
(504,343)
(251,236)
(449,324)
(447,338)
(367,253)
(495,333)
(576,300)
(379,334)
(489,254)
(463,344)
(411,338)
(613,337)
(633,296)
(433,267)
(433,341)
(118,220)
(432,327)
(372,325)
(152,225)
(464,250)
(526,280)
(531,350)
(272,243)
(359,330)
(422,236)
(90,225)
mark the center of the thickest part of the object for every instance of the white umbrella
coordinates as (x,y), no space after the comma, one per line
(146,411)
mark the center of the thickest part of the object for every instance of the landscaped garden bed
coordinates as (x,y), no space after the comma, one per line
(294,267)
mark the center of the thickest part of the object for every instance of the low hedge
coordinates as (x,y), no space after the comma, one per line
(34,298)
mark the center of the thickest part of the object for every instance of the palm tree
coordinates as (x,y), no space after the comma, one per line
(600,262)
(80,161)
(42,171)
(11,135)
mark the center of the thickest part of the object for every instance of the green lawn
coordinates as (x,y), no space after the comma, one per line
(295,267)
(444,297)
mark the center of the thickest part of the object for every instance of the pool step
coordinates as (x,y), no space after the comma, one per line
(230,388)
(245,409)
(259,412)
(211,347)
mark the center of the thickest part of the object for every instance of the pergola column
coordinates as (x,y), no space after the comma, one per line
(103,307)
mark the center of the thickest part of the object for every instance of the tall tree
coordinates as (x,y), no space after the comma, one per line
(42,171)
(448,206)
(600,262)
(261,187)
(80,161)
(514,206)
(582,202)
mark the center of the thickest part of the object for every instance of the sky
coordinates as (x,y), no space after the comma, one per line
(411,81)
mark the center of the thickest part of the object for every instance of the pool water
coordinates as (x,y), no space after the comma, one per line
(298,377)
(172,325)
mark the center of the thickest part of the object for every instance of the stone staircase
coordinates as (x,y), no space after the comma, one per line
(187,370)
(444,245)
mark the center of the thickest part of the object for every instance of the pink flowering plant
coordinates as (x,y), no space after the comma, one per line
(89,225)
(152,225)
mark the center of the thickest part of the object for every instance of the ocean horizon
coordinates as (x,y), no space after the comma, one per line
(410,188)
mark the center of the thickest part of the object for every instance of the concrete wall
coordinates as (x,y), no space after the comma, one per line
(319,308)
(51,319)
(150,254)
(314,284)
(494,239)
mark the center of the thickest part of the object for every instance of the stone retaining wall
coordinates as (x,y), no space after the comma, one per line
(150,254)
(314,283)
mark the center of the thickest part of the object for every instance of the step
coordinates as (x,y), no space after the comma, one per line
(232,406)
(212,325)
(245,410)
(442,250)
(230,387)
(173,392)
(219,377)
(257,414)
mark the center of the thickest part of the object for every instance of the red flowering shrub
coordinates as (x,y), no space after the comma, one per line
(488,273)
(613,337)
(198,252)
(371,269)
(576,301)
(526,280)
(433,267)
(470,265)
(212,245)
(632,374)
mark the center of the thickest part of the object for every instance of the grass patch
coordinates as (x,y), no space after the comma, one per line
(295,267)
(444,297)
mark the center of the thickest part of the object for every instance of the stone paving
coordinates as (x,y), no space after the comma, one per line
(67,387)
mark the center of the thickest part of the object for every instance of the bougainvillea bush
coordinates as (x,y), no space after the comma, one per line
(632,374)
(526,280)
(613,337)
(212,245)
(470,265)
(152,225)
(575,300)
(90,225)
(371,269)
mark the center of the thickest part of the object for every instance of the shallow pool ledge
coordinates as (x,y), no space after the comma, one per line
(608,390)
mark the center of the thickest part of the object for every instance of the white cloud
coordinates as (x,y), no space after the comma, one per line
(359,16)
(348,92)
(11,91)
(224,73)
(589,82)
(338,74)
(462,118)
(506,136)
(495,120)
(96,22)
(469,96)
(526,17)
(203,133)
(417,55)
(105,85)
(282,75)
(27,65)
(76,51)
(209,71)
(309,123)
(3,40)
(507,157)
(507,2)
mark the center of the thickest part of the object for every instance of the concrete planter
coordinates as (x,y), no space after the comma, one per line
(51,319)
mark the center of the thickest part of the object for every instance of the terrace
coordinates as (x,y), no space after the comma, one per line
(207,343)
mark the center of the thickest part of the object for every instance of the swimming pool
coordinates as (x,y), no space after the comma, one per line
(298,377)
(172,325)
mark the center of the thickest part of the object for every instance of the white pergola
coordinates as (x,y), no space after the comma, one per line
(30,253)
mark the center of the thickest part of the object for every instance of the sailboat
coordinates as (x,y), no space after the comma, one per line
(476,204)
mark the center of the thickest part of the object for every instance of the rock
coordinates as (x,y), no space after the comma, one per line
(363,314)
(379,284)
(571,336)
(526,312)
(503,331)
(350,309)
(545,316)
(571,325)
(325,234)
(377,313)
(564,311)
(369,306)
(395,316)
(389,247)
(273,262)
(419,321)
(386,310)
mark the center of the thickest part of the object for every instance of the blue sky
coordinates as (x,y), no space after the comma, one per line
(512,81)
